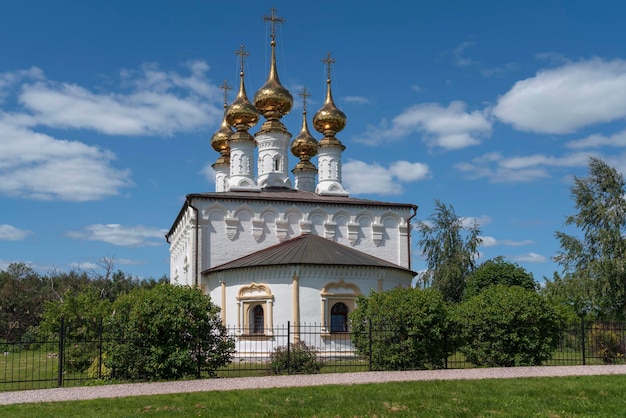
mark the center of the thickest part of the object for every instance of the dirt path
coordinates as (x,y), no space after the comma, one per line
(237,383)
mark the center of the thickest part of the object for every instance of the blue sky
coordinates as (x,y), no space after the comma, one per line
(107,109)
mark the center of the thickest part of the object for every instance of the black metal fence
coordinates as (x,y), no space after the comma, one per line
(63,360)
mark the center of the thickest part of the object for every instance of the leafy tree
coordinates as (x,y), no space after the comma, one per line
(571,295)
(498,271)
(600,254)
(21,297)
(507,326)
(166,332)
(82,313)
(408,328)
(450,247)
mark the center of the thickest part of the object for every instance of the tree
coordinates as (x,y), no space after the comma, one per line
(166,332)
(450,247)
(507,326)
(21,298)
(599,256)
(408,329)
(498,271)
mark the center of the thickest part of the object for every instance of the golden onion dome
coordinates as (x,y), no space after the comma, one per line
(304,146)
(273,100)
(219,140)
(329,119)
(241,114)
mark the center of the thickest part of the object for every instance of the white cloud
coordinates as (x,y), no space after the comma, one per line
(469,221)
(160,104)
(498,169)
(492,242)
(564,99)
(356,99)
(617,140)
(530,258)
(85,265)
(360,177)
(37,166)
(449,127)
(125,236)
(11,233)
(150,102)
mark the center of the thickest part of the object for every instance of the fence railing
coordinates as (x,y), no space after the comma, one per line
(63,360)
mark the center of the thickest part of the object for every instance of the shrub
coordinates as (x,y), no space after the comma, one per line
(98,368)
(166,332)
(606,344)
(300,359)
(408,329)
(507,326)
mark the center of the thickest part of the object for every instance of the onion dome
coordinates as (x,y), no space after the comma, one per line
(219,140)
(329,119)
(241,114)
(273,100)
(304,146)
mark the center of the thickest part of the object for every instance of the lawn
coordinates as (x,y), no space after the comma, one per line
(600,396)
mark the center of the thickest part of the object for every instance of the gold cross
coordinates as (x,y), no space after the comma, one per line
(328,61)
(274,19)
(226,88)
(242,53)
(304,93)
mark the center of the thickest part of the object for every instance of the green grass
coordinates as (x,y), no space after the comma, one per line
(600,396)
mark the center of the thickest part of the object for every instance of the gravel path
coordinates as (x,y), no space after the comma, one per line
(236,383)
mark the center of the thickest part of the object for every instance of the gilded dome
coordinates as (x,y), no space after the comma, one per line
(241,114)
(273,100)
(304,146)
(219,140)
(329,119)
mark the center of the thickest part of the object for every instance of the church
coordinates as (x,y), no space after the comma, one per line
(271,247)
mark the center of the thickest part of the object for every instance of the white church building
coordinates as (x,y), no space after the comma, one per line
(274,245)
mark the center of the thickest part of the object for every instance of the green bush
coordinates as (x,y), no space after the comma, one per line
(507,326)
(606,344)
(166,332)
(408,329)
(300,359)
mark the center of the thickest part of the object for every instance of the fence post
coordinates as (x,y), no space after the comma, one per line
(370,343)
(61,348)
(582,331)
(445,348)
(100,350)
(288,347)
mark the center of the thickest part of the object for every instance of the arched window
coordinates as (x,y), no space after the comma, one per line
(339,317)
(255,310)
(258,320)
(277,164)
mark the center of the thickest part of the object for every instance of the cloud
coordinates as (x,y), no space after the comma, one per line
(469,221)
(564,99)
(11,233)
(529,258)
(617,140)
(150,101)
(356,100)
(37,166)
(361,178)
(124,236)
(492,242)
(449,127)
(84,265)
(159,103)
(498,169)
